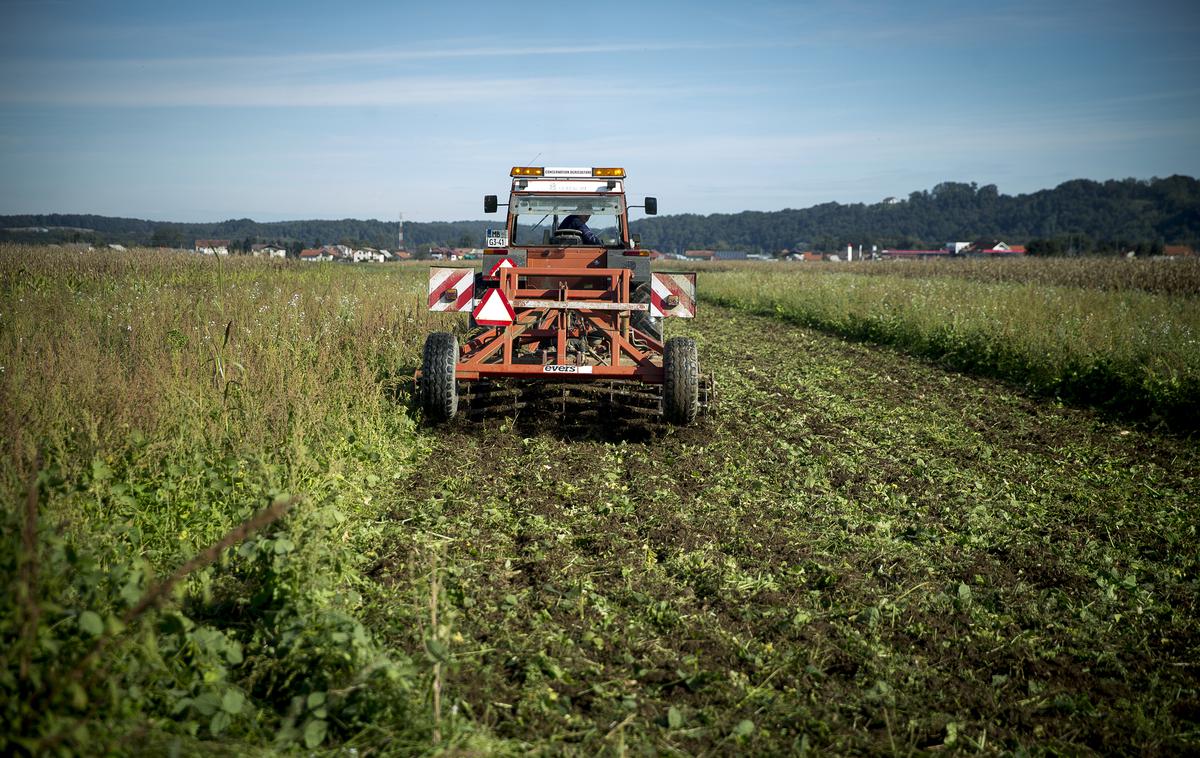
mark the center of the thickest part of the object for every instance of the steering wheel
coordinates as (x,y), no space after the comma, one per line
(567,237)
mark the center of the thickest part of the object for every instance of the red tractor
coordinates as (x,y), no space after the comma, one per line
(563,310)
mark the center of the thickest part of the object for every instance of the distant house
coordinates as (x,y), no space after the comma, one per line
(914,254)
(213,247)
(268,251)
(402,255)
(328,253)
(1178,251)
(369,255)
(699,255)
(993,248)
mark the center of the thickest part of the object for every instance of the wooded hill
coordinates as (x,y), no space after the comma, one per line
(1081,215)
(1085,212)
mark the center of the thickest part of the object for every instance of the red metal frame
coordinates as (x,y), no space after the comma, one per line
(585,301)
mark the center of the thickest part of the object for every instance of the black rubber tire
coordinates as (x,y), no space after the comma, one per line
(642,320)
(681,381)
(439,393)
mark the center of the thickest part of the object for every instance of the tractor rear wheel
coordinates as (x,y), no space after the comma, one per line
(681,381)
(439,394)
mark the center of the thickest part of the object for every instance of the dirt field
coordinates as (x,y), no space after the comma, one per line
(856,551)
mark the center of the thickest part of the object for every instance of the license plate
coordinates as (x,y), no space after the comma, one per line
(497,238)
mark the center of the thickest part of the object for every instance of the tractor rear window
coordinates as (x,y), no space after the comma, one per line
(537,215)
(565,205)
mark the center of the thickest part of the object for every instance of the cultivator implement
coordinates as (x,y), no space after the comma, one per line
(564,322)
(616,399)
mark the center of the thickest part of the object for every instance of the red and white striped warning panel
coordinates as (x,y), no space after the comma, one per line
(494,271)
(451,289)
(494,310)
(673,295)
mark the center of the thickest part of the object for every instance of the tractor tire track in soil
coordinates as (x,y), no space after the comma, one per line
(855,551)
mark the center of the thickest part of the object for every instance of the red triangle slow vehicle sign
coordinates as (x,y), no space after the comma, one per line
(494,310)
(502,263)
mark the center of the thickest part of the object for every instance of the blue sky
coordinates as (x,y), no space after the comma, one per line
(203,111)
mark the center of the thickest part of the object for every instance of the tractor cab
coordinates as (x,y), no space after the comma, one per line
(545,201)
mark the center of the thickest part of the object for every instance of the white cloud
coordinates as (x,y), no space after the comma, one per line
(445,50)
(252,92)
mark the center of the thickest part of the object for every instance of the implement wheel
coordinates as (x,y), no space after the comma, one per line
(439,394)
(681,381)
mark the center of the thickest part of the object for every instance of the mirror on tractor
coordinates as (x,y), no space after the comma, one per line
(652,206)
(489,204)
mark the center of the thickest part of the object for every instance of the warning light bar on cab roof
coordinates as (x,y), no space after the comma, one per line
(610,172)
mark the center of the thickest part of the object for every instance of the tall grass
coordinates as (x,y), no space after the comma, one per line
(150,402)
(1161,276)
(1180,277)
(157,355)
(1130,351)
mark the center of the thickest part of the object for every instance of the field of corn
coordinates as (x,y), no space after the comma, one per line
(934,508)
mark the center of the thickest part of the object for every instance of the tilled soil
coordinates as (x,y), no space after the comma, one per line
(853,552)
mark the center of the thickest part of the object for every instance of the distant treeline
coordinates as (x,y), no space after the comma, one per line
(1077,217)
(242,232)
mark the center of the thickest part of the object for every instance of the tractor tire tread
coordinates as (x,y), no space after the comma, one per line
(681,381)
(439,392)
